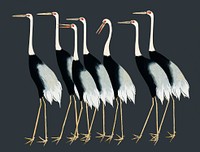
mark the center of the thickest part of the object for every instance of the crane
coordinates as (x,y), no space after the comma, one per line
(84,82)
(99,74)
(156,80)
(122,84)
(48,85)
(176,77)
(64,60)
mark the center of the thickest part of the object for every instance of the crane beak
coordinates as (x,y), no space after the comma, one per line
(19,15)
(124,22)
(44,14)
(100,28)
(64,25)
(72,19)
(140,13)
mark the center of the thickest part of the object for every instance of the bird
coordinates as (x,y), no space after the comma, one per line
(155,78)
(84,82)
(121,81)
(176,78)
(99,74)
(48,86)
(64,60)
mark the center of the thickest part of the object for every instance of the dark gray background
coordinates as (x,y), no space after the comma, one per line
(176,36)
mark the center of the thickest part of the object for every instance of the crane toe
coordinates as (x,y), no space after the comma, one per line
(73,138)
(56,139)
(30,140)
(101,136)
(43,141)
(171,136)
(136,137)
(155,137)
(109,137)
(119,139)
(86,138)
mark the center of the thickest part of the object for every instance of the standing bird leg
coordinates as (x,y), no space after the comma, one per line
(87,136)
(155,137)
(58,138)
(75,134)
(120,138)
(138,137)
(30,140)
(110,137)
(172,135)
(76,117)
(44,141)
(102,135)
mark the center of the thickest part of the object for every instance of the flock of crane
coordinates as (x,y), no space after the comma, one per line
(96,82)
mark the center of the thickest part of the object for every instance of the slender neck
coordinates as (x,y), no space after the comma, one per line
(106,51)
(137,48)
(85,49)
(30,47)
(75,45)
(151,41)
(57,42)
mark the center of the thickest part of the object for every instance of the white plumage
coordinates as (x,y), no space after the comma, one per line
(180,84)
(69,66)
(127,89)
(52,87)
(91,94)
(107,93)
(163,87)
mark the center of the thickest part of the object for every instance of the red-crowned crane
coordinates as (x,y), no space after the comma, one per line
(64,60)
(122,84)
(176,78)
(84,82)
(99,74)
(156,79)
(46,81)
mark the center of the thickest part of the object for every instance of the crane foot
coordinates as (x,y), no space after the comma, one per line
(109,137)
(86,138)
(73,138)
(155,138)
(119,139)
(101,136)
(30,140)
(136,137)
(171,136)
(56,139)
(43,141)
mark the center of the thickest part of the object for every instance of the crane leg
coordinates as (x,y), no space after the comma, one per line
(138,137)
(45,139)
(87,136)
(76,134)
(172,135)
(155,137)
(30,140)
(58,138)
(120,138)
(102,135)
(110,137)
(76,116)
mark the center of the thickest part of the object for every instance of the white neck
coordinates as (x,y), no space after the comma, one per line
(57,42)
(137,48)
(151,41)
(75,45)
(106,51)
(30,47)
(85,49)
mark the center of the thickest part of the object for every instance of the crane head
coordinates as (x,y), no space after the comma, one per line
(82,19)
(72,26)
(104,22)
(28,15)
(133,22)
(148,12)
(48,14)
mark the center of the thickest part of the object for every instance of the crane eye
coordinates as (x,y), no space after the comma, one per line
(82,19)
(132,21)
(72,25)
(148,12)
(54,13)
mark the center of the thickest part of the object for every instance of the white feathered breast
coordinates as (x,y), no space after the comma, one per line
(127,89)
(91,94)
(163,87)
(180,84)
(107,93)
(52,87)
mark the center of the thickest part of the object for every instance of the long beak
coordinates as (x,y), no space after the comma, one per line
(44,14)
(100,28)
(19,15)
(64,25)
(140,13)
(124,22)
(72,19)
